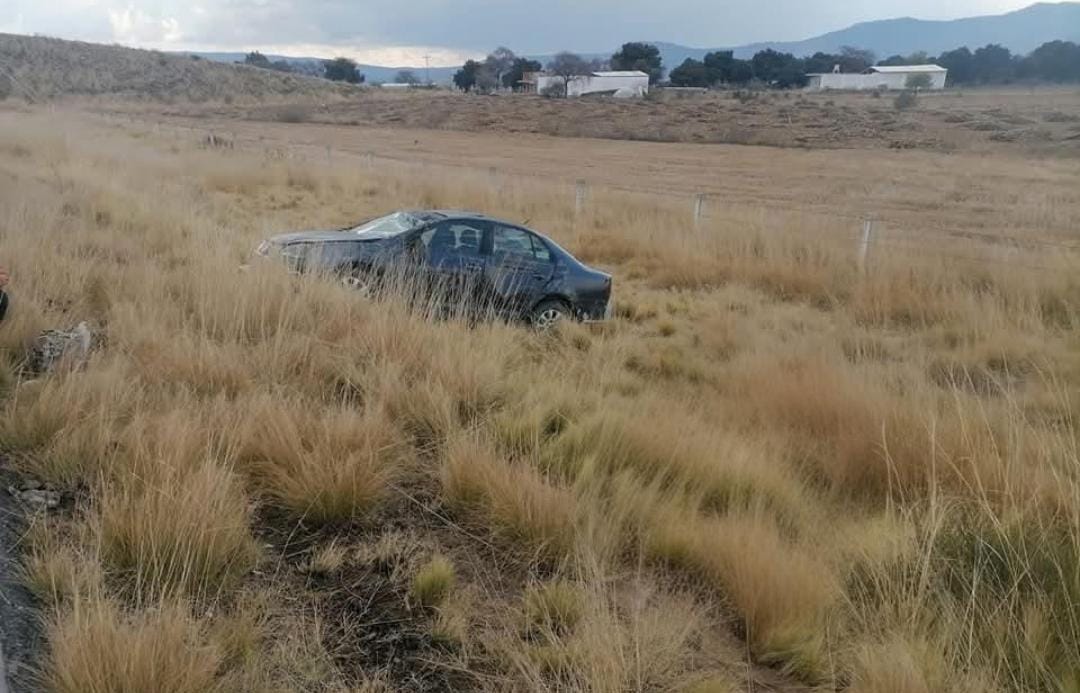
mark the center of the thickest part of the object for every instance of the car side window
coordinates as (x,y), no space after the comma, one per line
(518,244)
(540,251)
(452,239)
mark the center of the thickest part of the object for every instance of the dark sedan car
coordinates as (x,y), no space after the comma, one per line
(461,258)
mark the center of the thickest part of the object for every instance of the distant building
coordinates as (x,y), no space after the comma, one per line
(627,82)
(877,77)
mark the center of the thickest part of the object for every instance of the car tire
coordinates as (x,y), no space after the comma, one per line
(549,313)
(360,284)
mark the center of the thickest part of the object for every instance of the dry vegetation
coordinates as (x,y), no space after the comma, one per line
(1042,120)
(770,471)
(36,68)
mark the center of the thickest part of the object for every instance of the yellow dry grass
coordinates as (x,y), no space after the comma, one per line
(769,470)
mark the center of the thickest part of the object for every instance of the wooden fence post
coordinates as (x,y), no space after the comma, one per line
(699,208)
(579,197)
(864,244)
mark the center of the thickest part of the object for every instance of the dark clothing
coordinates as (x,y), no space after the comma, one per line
(3,304)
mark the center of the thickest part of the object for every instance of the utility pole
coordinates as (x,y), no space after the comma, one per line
(427,69)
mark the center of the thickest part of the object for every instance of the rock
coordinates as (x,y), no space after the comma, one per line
(53,345)
(40,498)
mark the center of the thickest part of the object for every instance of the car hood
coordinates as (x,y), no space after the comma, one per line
(315,236)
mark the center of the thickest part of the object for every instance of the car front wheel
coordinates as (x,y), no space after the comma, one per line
(547,314)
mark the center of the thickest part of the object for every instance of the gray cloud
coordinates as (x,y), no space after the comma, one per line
(463,25)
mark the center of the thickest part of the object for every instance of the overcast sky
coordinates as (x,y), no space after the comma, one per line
(400,32)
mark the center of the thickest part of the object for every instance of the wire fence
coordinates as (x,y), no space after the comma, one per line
(867,234)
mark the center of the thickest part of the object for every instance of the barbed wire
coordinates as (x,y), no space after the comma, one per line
(888,232)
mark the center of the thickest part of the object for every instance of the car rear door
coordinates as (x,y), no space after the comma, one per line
(454,264)
(519,270)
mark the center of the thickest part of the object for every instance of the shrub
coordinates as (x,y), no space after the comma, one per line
(905,100)
(554,91)
(293,113)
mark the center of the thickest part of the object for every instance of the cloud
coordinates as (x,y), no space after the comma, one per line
(133,25)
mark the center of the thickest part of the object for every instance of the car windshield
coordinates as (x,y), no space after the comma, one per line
(386,227)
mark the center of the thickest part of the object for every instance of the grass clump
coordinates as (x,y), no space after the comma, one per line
(330,469)
(180,533)
(98,647)
(433,583)
(553,607)
(515,501)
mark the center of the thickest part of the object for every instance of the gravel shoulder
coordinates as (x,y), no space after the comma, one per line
(20,624)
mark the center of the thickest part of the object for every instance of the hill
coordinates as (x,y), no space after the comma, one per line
(38,67)
(314,67)
(1021,32)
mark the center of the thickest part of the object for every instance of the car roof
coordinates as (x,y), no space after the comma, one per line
(439,214)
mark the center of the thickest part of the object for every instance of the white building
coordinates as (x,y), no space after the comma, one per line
(878,77)
(633,82)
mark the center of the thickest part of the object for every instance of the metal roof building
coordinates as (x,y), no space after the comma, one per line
(878,77)
(631,82)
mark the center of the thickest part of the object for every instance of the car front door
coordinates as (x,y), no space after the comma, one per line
(519,270)
(454,265)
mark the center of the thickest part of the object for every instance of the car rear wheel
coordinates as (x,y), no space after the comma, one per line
(547,314)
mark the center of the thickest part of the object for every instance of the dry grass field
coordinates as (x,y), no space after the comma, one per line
(772,470)
(1043,120)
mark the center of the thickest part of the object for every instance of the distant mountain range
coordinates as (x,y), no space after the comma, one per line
(1020,31)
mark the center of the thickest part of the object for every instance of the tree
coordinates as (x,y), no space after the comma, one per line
(993,63)
(567,66)
(465,78)
(918,81)
(854,59)
(406,77)
(499,62)
(742,72)
(779,69)
(961,65)
(1055,61)
(891,60)
(257,59)
(724,67)
(342,70)
(692,73)
(517,71)
(822,62)
(639,56)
